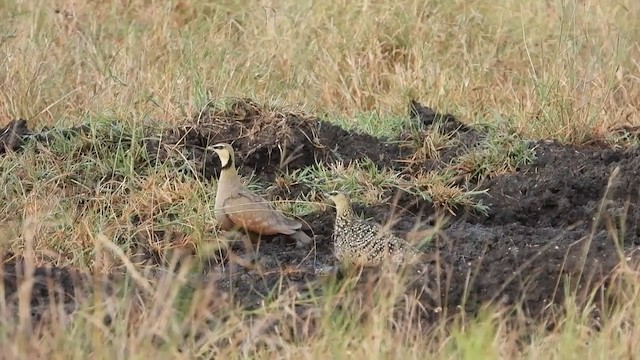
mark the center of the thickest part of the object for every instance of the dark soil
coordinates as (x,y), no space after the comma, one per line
(14,136)
(57,286)
(11,137)
(565,186)
(268,142)
(462,138)
(539,227)
(429,117)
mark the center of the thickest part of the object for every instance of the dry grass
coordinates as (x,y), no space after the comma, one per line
(563,70)
(167,317)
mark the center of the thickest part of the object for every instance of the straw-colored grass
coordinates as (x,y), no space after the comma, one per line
(561,70)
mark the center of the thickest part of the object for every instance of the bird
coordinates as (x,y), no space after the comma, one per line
(237,207)
(362,242)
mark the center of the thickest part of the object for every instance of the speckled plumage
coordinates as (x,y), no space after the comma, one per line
(364,242)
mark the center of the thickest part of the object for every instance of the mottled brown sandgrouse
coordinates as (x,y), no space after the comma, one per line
(237,207)
(361,242)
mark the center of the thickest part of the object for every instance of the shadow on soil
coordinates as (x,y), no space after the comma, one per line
(542,226)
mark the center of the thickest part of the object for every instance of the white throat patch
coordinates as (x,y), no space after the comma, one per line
(224,157)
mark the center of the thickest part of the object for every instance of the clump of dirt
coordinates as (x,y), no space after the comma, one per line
(426,116)
(268,141)
(454,138)
(12,136)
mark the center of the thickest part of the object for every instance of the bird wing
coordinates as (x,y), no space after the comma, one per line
(394,243)
(257,215)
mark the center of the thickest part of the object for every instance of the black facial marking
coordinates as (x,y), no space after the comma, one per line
(227,165)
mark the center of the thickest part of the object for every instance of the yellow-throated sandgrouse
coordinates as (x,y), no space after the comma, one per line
(237,207)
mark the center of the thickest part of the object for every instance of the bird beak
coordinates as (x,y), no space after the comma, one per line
(327,198)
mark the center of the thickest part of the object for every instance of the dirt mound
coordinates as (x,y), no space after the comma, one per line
(57,292)
(268,141)
(565,186)
(426,116)
(508,265)
(517,265)
(455,138)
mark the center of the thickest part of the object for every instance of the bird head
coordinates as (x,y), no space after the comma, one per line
(342,202)
(338,198)
(225,153)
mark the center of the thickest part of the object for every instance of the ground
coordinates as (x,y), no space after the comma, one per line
(499,138)
(547,221)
